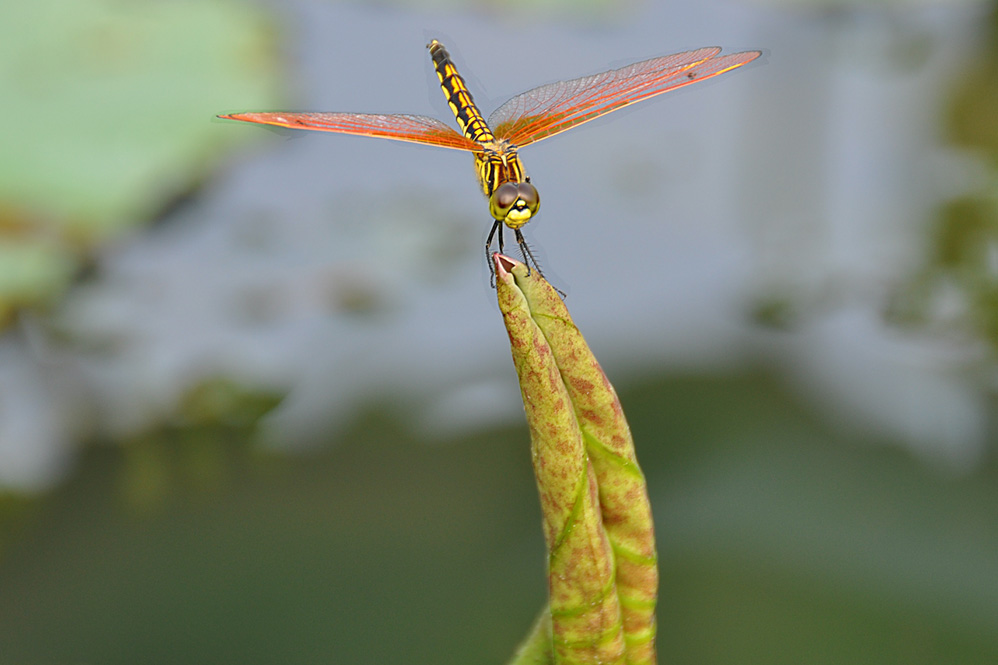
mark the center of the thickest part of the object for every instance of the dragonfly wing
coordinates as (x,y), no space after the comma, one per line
(553,108)
(412,128)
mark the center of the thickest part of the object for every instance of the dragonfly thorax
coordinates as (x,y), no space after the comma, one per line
(512,199)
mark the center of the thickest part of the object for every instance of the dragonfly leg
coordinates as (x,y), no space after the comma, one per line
(528,258)
(497,226)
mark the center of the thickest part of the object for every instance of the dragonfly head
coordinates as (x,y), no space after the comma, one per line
(514,203)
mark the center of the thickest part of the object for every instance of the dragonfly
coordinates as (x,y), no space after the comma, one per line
(525,119)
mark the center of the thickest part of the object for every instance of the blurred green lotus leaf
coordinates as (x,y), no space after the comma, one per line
(107,111)
(29,273)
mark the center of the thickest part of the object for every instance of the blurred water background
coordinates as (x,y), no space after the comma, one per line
(256,402)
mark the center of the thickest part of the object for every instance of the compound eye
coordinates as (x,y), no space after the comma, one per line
(528,194)
(504,197)
(502,200)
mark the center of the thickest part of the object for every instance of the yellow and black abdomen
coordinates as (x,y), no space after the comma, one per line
(512,199)
(458,96)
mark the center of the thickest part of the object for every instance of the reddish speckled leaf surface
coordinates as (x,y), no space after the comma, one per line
(602,568)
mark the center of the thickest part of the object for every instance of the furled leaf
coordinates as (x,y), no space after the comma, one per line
(603,575)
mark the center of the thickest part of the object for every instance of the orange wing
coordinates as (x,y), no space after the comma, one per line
(551,109)
(412,128)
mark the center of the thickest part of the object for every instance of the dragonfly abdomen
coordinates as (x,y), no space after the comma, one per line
(459,98)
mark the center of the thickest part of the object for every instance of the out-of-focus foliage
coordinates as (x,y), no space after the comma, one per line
(959,284)
(792,544)
(32,270)
(189,452)
(973,119)
(107,117)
